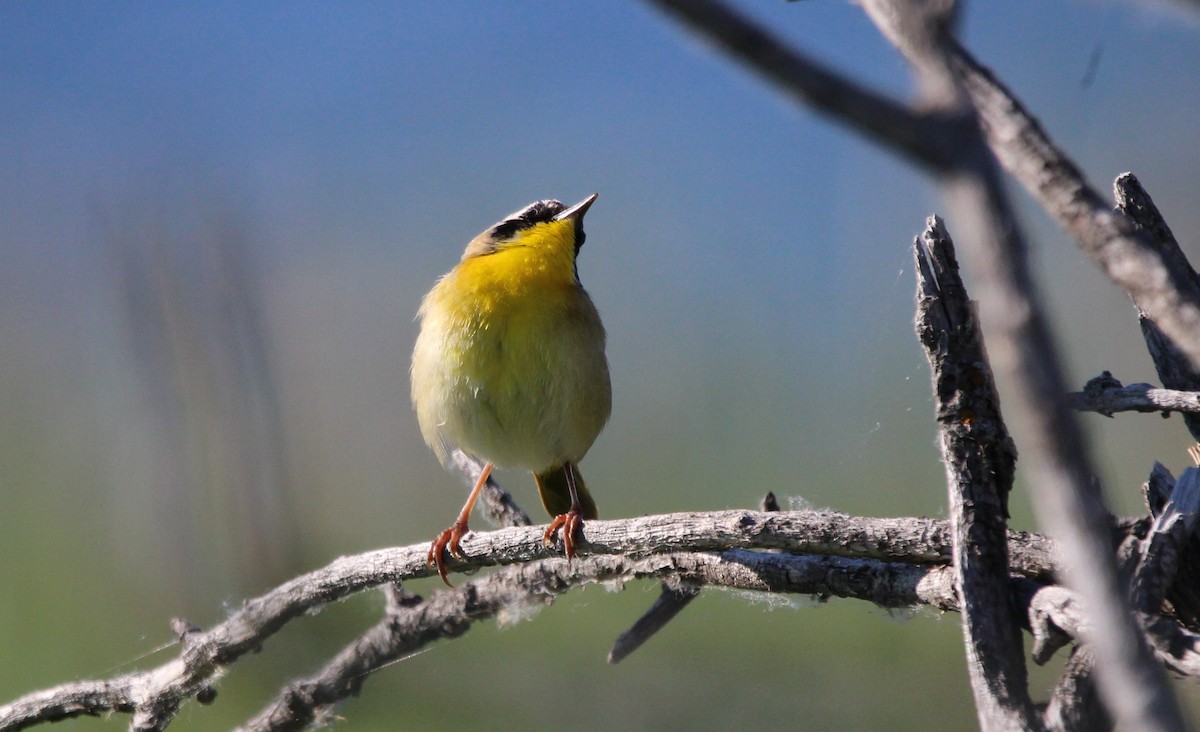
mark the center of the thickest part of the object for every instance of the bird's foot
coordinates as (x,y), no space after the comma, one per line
(448,540)
(570,522)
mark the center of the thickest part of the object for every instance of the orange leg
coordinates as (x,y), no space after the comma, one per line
(571,521)
(449,538)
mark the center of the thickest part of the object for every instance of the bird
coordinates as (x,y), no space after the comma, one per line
(509,366)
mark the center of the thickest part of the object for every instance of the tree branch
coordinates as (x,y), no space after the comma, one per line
(1106,395)
(304,702)
(1068,499)
(931,139)
(980,461)
(916,135)
(890,562)
(1174,368)
(670,602)
(858,550)
(1075,703)
(411,623)
(1129,255)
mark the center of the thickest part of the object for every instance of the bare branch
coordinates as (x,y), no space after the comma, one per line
(980,460)
(916,135)
(1111,398)
(1128,254)
(1176,647)
(1055,620)
(1075,703)
(912,573)
(413,624)
(1174,368)
(931,139)
(1055,617)
(890,562)
(1184,592)
(303,702)
(1160,551)
(1068,499)
(901,543)
(670,602)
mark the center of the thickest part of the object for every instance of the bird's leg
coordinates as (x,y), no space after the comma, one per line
(449,538)
(571,521)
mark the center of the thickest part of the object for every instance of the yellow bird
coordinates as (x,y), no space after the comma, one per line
(509,366)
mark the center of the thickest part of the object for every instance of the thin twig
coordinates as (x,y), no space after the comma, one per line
(671,601)
(1135,398)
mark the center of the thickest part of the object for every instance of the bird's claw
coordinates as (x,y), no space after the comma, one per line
(571,523)
(447,541)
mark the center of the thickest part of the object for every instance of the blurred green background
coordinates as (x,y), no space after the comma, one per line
(216,224)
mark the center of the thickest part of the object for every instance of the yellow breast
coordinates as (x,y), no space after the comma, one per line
(509,365)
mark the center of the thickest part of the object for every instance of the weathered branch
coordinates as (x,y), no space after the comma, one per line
(670,602)
(1111,396)
(916,135)
(890,562)
(1160,556)
(304,702)
(411,623)
(1184,593)
(1056,618)
(1075,703)
(906,546)
(980,461)
(308,701)
(1129,255)
(932,140)
(1174,368)
(1160,552)
(1068,500)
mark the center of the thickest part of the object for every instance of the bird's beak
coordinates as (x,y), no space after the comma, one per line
(577,211)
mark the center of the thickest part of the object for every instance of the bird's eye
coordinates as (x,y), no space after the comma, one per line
(538,212)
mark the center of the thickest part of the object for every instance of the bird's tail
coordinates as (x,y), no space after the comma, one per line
(556,496)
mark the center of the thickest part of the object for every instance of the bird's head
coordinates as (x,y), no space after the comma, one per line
(544,225)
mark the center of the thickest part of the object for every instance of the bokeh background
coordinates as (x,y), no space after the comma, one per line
(216,224)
